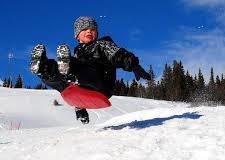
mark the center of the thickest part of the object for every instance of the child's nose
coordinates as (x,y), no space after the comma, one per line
(88,30)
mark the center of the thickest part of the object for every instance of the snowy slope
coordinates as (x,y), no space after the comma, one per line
(32,128)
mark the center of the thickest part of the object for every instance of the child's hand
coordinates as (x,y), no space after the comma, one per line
(139,72)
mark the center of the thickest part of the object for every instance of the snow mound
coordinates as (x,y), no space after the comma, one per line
(33,128)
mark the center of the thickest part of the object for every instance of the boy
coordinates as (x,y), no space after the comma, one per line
(93,65)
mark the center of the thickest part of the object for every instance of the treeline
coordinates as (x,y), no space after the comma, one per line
(20,83)
(176,84)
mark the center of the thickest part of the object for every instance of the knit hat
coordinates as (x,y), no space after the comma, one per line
(84,22)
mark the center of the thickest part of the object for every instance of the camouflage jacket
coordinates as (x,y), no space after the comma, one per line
(97,62)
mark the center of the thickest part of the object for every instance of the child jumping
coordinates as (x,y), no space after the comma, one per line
(92,66)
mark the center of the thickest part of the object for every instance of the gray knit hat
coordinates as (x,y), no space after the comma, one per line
(84,22)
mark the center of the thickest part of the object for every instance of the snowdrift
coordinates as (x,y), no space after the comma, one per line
(33,128)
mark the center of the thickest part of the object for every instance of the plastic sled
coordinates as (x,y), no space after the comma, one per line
(77,96)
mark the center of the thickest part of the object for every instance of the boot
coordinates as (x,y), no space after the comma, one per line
(38,59)
(82,115)
(63,55)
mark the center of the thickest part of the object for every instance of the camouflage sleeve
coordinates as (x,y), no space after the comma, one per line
(109,47)
(119,57)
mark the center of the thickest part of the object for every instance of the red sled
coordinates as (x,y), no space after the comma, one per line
(77,96)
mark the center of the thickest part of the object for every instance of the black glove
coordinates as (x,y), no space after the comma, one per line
(125,60)
(139,72)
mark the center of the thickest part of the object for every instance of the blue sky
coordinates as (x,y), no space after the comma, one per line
(157,31)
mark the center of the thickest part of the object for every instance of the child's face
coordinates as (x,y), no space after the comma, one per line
(87,35)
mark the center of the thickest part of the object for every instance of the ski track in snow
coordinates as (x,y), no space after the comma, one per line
(131,129)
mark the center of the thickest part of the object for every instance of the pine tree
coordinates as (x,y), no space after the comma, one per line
(200,81)
(166,83)
(211,87)
(116,90)
(19,82)
(211,80)
(178,78)
(218,90)
(120,88)
(127,88)
(5,83)
(189,86)
(159,91)
(196,82)
(123,88)
(200,94)
(218,81)
(151,86)
(133,89)
(9,83)
(222,89)
(141,91)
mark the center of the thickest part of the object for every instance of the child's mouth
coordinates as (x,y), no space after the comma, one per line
(89,36)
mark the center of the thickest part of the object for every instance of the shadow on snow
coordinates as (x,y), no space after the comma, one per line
(154,122)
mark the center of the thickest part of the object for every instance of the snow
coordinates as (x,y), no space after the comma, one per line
(32,128)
